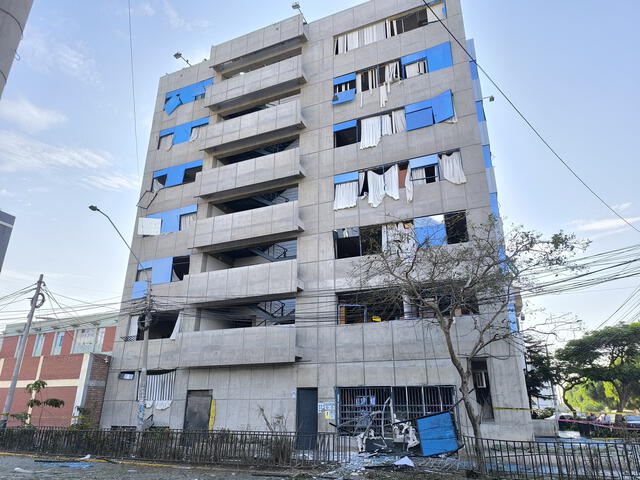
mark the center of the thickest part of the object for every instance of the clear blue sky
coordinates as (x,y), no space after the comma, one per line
(66,124)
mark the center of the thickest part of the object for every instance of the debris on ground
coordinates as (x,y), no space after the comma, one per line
(404,461)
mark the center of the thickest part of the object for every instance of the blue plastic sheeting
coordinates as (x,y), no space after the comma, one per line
(420,119)
(414,57)
(171,218)
(182,133)
(494,205)
(486,153)
(443,107)
(430,231)
(513,317)
(439,57)
(345,125)
(414,107)
(184,95)
(139,290)
(344,97)
(349,77)
(161,269)
(480,110)
(175,174)
(345,177)
(474,70)
(437,434)
(423,161)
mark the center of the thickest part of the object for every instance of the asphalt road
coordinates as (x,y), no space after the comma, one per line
(108,471)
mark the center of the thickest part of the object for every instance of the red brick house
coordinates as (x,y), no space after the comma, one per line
(71,355)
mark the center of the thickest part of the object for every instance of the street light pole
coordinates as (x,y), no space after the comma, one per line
(20,353)
(146,323)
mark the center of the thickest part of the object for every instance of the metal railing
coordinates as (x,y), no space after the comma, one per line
(503,459)
(221,447)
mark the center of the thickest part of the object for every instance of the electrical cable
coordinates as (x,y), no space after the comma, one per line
(133,91)
(530,125)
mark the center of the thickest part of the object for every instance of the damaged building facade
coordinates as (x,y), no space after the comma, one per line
(270,168)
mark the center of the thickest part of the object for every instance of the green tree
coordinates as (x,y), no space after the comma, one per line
(541,372)
(35,389)
(610,357)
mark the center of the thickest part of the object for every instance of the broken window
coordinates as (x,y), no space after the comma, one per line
(356,404)
(162,325)
(127,375)
(165,142)
(187,220)
(482,387)
(158,183)
(469,306)
(144,275)
(444,229)
(88,340)
(179,268)
(346,133)
(357,241)
(190,174)
(369,306)
(456,227)
(424,169)
(411,21)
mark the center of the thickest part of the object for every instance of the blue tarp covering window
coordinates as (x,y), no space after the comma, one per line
(423,161)
(437,434)
(343,97)
(480,110)
(494,205)
(420,119)
(175,174)
(513,317)
(426,113)
(171,218)
(139,290)
(439,57)
(430,231)
(345,177)
(182,133)
(486,154)
(183,95)
(345,125)
(474,70)
(443,107)
(161,271)
(349,77)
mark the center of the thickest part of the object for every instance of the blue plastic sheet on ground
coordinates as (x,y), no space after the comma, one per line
(438,434)
(67,465)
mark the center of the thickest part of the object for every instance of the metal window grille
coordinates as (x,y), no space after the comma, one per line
(355,403)
(160,385)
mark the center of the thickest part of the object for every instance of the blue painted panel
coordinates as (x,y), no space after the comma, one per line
(161,270)
(182,133)
(423,161)
(439,57)
(474,70)
(513,317)
(420,119)
(430,231)
(495,210)
(437,434)
(186,94)
(345,177)
(414,107)
(414,57)
(480,110)
(344,97)
(486,153)
(345,125)
(171,218)
(443,107)
(349,77)
(139,290)
(175,174)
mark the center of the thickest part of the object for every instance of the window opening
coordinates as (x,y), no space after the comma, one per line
(144,275)
(260,152)
(179,268)
(357,241)
(126,375)
(187,220)
(190,174)
(88,340)
(483,389)
(58,340)
(37,346)
(159,385)
(162,325)
(456,227)
(369,306)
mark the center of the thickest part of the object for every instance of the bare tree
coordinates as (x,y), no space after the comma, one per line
(477,271)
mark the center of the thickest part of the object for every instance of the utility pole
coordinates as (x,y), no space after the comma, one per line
(35,303)
(146,323)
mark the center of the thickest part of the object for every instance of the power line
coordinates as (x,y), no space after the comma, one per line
(529,124)
(133,91)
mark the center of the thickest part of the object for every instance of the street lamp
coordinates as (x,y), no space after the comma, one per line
(178,55)
(142,390)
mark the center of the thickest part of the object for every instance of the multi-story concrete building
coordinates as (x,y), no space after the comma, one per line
(13,18)
(6,227)
(269,166)
(72,355)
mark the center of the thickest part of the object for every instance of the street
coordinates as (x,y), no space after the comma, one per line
(104,471)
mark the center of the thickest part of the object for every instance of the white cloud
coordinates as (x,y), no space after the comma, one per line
(6,193)
(621,207)
(45,53)
(143,10)
(111,181)
(603,225)
(29,117)
(177,22)
(19,152)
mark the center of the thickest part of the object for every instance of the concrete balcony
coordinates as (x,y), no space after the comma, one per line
(239,285)
(248,228)
(264,46)
(250,177)
(254,129)
(258,86)
(215,348)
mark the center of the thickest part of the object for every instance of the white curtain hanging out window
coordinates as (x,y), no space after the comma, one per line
(387,124)
(398,120)
(346,195)
(451,168)
(352,40)
(392,182)
(371,132)
(369,34)
(376,188)
(341,44)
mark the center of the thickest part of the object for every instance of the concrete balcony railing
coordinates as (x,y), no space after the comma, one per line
(248,228)
(261,47)
(253,129)
(253,283)
(250,177)
(258,86)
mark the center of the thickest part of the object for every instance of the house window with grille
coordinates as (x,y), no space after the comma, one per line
(357,405)
(160,384)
